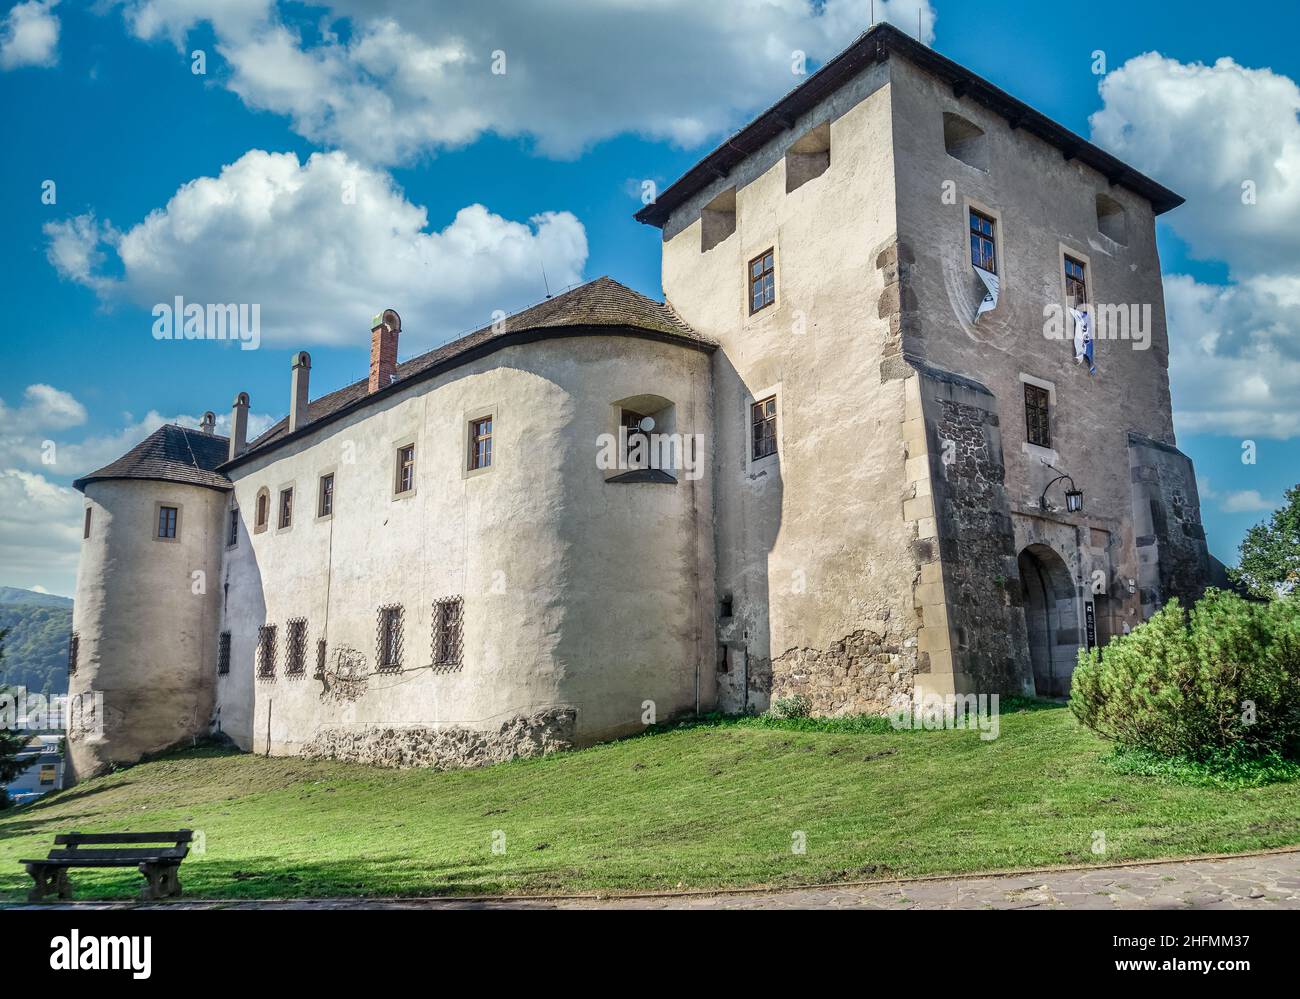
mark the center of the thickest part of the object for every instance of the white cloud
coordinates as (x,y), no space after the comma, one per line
(415,75)
(1205,131)
(29,35)
(1247,501)
(43,407)
(282,234)
(39,532)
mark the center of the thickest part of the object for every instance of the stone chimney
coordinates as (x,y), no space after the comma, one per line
(383,349)
(238,427)
(298,390)
(209,423)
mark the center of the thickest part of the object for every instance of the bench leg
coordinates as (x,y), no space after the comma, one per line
(172,881)
(153,876)
(61,882)
(40,876)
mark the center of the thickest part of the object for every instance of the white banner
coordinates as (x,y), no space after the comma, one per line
(991,298)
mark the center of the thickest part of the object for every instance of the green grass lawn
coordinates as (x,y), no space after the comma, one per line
(707,805)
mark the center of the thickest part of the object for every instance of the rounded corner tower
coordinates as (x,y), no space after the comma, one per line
(142,674)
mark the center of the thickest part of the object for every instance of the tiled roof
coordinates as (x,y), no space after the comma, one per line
(599,306)
(170,454)
(875,45)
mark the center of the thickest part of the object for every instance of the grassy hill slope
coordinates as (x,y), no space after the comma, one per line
(707,805)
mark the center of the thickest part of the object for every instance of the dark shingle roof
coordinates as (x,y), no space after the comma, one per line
(170,454)
(602,306)
(875,45)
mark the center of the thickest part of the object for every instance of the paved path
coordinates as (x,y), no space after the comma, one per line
(1266,881)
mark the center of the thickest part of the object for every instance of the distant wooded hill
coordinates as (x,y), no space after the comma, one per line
(36,648)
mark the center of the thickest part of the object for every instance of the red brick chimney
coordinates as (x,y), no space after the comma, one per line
(383,349)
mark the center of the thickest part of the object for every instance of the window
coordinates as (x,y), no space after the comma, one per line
(85,528)
(447,616)
(390,636)
(1038,427)
(167,523)
(320,657)
(762,281)
(480,443)
(266,650)
(405,479)
(232,533)
(1076,281)
(1112,220)
(983,249)
(295,646)
(74,647)
(263,510)
(286,508)
(764,425)
(223,653)
(325,499)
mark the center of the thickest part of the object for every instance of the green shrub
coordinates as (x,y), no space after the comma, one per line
(797,706)
(1224,677)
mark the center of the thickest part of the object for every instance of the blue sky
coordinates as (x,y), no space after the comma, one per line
(398,99)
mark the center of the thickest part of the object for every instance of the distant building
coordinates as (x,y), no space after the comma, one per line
(44,773)
(905,479)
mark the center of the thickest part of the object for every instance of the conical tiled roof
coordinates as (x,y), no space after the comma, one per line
(170,454)
(592,307)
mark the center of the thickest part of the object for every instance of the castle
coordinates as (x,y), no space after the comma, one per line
(888,469)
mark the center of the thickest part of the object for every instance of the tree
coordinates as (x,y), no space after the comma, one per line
(11,739)
(1270,552)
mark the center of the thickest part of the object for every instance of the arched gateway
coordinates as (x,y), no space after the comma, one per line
(1051,603)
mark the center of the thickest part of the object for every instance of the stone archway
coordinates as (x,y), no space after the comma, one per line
(1052,619)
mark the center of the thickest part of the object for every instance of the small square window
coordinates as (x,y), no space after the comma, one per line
(762,281)
(1076,282)
(325,499)
(85,528)
(167,522)
(232,531)
(286,508)
(983,242)
(405,480)
(1038,424)
(480,443)
(223,653)
(764,427)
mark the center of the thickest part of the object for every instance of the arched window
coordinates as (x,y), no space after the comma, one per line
(263,516)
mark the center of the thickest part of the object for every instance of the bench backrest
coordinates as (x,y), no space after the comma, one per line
(73,840)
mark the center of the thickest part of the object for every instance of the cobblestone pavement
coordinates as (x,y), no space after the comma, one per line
(1261,881)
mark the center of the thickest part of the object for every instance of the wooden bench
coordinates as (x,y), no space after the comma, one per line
(158,863)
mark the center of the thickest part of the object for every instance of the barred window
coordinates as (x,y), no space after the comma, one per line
(167,522)
(448,615)
(223,653)
(295,646)
(480,443)
(74,647)
(390,636)
(266,650)
(1038,426)
(286,508)
(232,535)
(983,246)
(763,415)
(762,281)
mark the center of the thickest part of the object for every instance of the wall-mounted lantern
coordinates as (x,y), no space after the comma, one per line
(1073,495)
